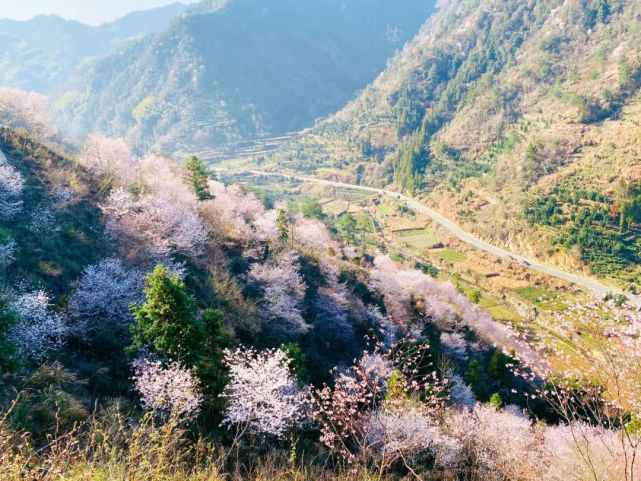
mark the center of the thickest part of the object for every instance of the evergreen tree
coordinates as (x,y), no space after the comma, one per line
(496,402)
(347,226)
(282,224)
(167,323)
(198,176)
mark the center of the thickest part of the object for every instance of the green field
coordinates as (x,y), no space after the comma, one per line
(417,238)
(541,298)
(384,209)
(451,256)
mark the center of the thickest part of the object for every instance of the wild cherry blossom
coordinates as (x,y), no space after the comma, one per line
(11,187)
(262,395)
(39,328)
(169,391)
(284,292)
(104,295)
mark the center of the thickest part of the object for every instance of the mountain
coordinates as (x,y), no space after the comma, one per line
(40,54)
(237,70)
(519,120)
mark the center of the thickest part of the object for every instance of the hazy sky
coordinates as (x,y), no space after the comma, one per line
(93,12)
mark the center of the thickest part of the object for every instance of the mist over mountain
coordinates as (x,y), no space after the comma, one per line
(42,54)
(241,69)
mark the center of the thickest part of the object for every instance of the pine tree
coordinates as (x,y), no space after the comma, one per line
(282,224)
(167,323)
(198,177)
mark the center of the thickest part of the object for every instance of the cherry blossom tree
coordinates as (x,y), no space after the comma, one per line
(110,158)
(284,292)
(39,329)
(409,293)
(26,110)
(313,235)
(239,215)
(262,396)
(105,292)
(158,225)
(169,391)
(455,345)
(495,444)
(579,451)
(11,188)
(368,414)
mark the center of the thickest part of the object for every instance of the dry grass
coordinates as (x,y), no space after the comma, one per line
(111,447)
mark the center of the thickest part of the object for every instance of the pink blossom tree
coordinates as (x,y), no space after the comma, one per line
(284,292)
(108,157)
(367,416)
(239,215)
(169,391)
(262,396)
(157,225)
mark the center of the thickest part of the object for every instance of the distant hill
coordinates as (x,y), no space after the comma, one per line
(237,70)
(40,54)
(520,120)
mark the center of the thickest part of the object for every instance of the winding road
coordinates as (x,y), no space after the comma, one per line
(590,284)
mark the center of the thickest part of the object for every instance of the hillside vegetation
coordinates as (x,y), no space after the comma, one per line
(159,322)
(519,119)
(156,323)
(237,70)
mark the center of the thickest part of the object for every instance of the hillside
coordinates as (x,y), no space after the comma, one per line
(161,320)
(41,54)
(238,70)
(518,120)
(131,288)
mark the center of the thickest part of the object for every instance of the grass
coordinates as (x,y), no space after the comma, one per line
(534,294)
(541,298)
(364,223)
(451,256)
(124,449)
(384,209)
(417,238)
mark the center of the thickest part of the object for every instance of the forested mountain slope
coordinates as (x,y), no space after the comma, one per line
(157,323)
(518,119)
(41,54)
(238,70)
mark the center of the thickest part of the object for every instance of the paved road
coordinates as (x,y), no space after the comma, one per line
(590,284)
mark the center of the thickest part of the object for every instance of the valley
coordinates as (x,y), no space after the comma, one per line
(268,240)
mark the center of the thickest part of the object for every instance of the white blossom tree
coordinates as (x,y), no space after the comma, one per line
(11,188)
(39,329)
(158,225)
(7,252)
(284,292)
(169,391)
(104,294)
(26,110)
(109,157)
(262,395)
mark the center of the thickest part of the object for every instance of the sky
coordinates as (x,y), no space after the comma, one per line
(93,12)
